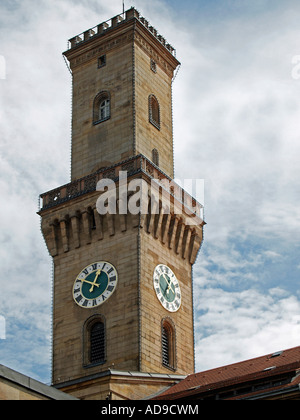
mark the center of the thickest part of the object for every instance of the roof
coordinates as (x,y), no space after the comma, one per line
(280,370)
(31,386)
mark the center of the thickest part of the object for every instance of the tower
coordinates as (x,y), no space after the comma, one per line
(123,236)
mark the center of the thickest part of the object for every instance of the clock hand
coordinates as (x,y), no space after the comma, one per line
(170,287)
(89,282)
(169,283)
(95,281)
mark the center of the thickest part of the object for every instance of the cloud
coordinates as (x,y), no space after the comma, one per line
(245,324)
(240,117)
(2,328)
(272,255)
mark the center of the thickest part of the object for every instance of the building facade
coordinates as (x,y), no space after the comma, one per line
(123,236)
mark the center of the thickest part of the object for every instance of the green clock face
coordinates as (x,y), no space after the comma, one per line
(167,288)
(95,284)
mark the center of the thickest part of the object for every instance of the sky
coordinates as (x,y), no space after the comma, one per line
(236,115)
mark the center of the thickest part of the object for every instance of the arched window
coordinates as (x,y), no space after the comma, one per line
(154,111)
(101,108)
(94,341)
(168,344)
(155,157)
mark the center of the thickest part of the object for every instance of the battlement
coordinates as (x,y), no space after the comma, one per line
(112,23)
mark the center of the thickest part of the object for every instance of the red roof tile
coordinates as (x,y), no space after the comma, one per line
(237,373)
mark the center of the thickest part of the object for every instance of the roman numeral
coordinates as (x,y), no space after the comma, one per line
(78,299)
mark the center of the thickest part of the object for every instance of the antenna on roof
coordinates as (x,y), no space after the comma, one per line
(123,7)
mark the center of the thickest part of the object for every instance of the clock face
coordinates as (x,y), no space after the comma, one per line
(95,284)
(167,288)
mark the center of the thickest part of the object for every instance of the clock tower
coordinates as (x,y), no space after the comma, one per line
(123,236)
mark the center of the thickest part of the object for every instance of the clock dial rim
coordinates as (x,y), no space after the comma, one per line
(169,306)
(87,300)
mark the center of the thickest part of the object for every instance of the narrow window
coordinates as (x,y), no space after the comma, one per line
(165,346)
(154,112)
(168,345)
(155,157)
(101,61)
(104,110)
(101,108)
(97,343)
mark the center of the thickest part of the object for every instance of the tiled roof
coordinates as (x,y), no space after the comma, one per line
(237,374)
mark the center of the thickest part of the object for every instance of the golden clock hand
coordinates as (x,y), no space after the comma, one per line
(89,282)
(95,281)
(168,282)
(170,287)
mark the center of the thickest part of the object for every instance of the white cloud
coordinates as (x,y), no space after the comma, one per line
(2,328)
(272,255)
(237,326)
(240,115)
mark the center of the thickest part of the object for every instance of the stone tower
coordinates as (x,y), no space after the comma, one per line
(122,235)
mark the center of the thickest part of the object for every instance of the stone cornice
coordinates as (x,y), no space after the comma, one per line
(101,39)
(70,218)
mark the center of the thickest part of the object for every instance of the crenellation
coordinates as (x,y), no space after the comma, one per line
(112,23)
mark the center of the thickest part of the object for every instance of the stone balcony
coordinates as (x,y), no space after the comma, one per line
(135,166)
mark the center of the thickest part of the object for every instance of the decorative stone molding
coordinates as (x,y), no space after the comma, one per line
(68,227)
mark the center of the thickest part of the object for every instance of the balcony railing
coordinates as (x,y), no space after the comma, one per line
(136,165)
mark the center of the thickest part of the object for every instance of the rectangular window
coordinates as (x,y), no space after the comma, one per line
(101,61)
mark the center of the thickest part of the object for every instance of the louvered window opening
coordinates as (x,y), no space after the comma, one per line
(165,347)
(155,157)
(97,343)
